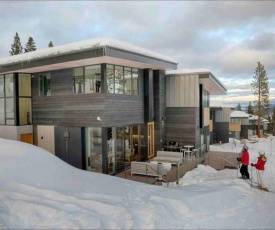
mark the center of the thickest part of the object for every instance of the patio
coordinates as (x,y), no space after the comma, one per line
(217,160)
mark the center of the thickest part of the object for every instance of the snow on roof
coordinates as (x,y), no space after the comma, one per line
(82,46)
(253,117)
(188,71)
(239,114)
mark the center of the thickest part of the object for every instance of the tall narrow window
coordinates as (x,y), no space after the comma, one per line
(9,85)
(78,80)
(110,79)
(118,79)
(93,79)
(127,81)
(135,81)
(2,86)
(25,108)
(44,84)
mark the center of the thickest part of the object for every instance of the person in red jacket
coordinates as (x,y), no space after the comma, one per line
(244,159)
(260,169)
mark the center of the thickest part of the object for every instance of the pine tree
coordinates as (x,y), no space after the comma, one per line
(260,89)
(271,124)
(250,109)
(16,47)
(30,46)
(239,107)
(50,44)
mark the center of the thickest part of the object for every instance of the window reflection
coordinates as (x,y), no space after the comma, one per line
(44,84)
(118,79)
(2,86)
(135,81)
(93,79)
(78,80)
(94,148)
(9,85)
(110,79)
(127,81)
(2,111)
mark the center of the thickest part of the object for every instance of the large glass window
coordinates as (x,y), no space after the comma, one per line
(118,79)
(127,81)
(110,79)
(2,111)
(94,148)
(2,86)
(9,85)
(93,79)
(24,85)
(9,111)
(135,81)
(44,84)
(78,80)
(25,109)
(111,150)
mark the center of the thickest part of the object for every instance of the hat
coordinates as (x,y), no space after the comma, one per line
(261,153)
(245,147)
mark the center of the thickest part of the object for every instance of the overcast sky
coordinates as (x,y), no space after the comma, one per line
(227,37)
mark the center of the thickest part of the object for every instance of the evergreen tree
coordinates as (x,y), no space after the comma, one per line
(250,109)
(260,89)
(50,44)
(239,107)
(30,46)
(16,47)
(271,124)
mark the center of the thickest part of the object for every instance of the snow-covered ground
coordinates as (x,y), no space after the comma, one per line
(38,190)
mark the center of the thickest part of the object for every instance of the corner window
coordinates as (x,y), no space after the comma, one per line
(44,84)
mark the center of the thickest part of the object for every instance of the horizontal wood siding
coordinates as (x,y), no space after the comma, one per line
(63,108)
(182,125)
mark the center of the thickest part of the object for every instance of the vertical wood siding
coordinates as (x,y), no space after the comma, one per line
(183,91)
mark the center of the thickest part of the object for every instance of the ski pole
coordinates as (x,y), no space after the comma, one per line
(251,176)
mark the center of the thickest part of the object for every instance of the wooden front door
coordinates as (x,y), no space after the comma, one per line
(151,140)
(28,138)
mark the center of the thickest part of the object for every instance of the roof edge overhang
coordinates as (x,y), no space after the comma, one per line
(99,48)
(206,78)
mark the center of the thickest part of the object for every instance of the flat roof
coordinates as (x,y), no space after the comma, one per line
(207,78)
(117,51)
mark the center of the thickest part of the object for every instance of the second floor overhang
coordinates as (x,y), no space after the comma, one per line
(83,53)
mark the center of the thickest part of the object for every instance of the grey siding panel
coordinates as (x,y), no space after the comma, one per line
(64,108)
(245,121)
(182,125)
(223,115)
(159,107)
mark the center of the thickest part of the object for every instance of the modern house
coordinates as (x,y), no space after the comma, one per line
(99,103)
(187,105)
(220,124)
(239,125)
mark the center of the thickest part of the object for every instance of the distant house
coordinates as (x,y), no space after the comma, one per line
(101,103)
(220,124)
(239,125)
